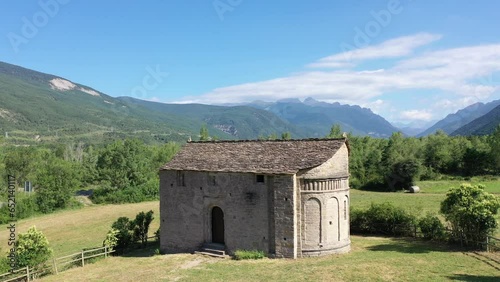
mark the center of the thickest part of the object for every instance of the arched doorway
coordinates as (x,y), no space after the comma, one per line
(217,225)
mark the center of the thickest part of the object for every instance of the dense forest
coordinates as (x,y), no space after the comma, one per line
(394,163)
(127,170)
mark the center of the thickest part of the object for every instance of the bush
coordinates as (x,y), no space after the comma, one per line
(25,207)
(111,239)
(248,254)
(4,265)
(32,248)
(431,227)
(157,234)
(123,225)
(140,226)
(471,212)
(385,219)
(144,192)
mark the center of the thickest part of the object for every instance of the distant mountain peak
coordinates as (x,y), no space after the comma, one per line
(311,101)
(289,100)
(456,120)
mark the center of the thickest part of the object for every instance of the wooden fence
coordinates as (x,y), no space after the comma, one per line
(56,265)
(492,244)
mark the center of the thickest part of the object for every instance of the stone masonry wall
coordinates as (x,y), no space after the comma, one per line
(186,210)
(285,217)
(324,224)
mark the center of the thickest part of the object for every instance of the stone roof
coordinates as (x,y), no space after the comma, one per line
(256,156)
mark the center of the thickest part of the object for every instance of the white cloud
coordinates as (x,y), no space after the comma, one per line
(154,99)
(377,106)
(458,73)
(393,48)
(412,115)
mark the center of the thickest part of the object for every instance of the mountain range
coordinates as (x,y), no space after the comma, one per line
(483,125)
(318,117)
(43,107)
(453,122)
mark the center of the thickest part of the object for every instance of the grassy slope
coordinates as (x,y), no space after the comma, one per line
(250,122)
(70,231)
(29,107)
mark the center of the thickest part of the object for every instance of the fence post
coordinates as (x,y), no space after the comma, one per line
(105,251)
(487,244)
(28,273)
(83,258)
(54,264)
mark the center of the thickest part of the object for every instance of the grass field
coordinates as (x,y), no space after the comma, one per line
(429,199)
(70,231)
(432,193)
(371,258)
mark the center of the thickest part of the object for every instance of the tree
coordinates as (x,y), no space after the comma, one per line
(394,152)
(21,162)
(32,248)
(471,212)
(403,174)
(125,163)
(165,153)
(335,131)
(56,182)
(494,142)
(438,153)
(204,136)
(286,136)
(140,226)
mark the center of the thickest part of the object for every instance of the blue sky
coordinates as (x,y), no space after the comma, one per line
(407,60)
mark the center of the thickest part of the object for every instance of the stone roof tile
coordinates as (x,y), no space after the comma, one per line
(256,156)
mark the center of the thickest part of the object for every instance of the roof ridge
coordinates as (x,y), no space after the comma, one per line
(275,140)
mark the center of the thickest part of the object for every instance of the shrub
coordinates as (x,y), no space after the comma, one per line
(25,207)
(157,234)
(140,226)
(248,254)
(431,227)
(111,239)
(123,225)
(144,192)
(385,219)
(32,248)
(471,212)
(4,265)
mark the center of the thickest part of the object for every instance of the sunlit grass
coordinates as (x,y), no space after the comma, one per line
(70,231)
(371,259)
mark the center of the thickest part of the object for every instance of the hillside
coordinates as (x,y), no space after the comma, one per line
(462,117)
(483,125)
(240,122)
(318,117)
(35,106)
(53,108)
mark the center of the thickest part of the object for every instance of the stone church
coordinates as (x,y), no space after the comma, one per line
(288,198)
